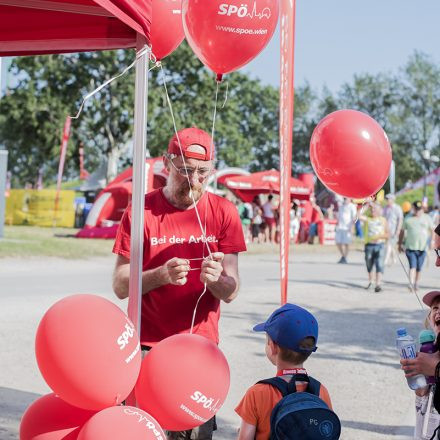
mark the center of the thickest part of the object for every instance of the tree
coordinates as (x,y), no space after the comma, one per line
(51,87)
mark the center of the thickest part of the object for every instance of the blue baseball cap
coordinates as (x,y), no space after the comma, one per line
(289,325)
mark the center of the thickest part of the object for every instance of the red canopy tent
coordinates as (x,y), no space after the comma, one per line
(31,27)
(263,182)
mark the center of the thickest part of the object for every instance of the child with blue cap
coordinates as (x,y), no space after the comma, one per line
(291,337)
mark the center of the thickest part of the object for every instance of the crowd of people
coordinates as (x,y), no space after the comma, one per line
(260,219)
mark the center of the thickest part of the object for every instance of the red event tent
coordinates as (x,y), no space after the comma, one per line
(263,182)
(31,27)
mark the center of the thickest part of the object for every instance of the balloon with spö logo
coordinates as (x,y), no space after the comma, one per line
(88,351)
(120,423)
(50,418)
(183,382)
(350,153)
(227,34)
(166,31)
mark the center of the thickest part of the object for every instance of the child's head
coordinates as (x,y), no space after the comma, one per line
(293,330)
(432,300)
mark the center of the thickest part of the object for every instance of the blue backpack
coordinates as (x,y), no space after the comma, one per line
(303,415)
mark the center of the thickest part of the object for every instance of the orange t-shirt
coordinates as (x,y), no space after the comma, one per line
(258,402)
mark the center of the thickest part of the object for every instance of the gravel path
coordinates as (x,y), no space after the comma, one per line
(356,358)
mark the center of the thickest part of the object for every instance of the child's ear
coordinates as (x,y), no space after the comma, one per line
(273,347)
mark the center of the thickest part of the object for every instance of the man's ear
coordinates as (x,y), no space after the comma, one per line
(166,162)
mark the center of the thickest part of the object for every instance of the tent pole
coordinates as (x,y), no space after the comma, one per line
(137,209)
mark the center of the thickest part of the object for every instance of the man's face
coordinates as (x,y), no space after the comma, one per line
(179,184)
(437,246)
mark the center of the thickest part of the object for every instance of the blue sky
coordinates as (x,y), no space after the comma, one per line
(337,38)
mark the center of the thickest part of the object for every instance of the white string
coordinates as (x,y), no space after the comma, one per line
(202,227)
(195,309)
(203,230)
(139,54)
(411,285)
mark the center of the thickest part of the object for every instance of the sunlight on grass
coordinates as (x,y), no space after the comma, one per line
(33,241)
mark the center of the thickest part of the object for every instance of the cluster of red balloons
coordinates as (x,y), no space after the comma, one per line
(351,154)
(224,36)
(88,352)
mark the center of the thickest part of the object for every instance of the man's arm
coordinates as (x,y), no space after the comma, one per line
(221,275)
(174,271)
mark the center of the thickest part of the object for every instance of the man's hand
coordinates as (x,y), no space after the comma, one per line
(212,268)
(175,271)
(424,363)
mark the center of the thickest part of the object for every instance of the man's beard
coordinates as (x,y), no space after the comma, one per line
(182,193)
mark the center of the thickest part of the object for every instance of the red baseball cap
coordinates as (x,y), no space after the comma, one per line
(192,136)
(429,298)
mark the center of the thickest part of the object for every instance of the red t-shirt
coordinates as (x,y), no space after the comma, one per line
(170,232)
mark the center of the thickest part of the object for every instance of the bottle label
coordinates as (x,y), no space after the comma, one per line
(408,352)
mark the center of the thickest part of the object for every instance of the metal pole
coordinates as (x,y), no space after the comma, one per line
(137,209)
(3,171)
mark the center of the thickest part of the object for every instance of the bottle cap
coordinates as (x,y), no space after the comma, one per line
(401,331)
(426,336)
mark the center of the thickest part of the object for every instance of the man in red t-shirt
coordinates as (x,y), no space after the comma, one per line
(178,258)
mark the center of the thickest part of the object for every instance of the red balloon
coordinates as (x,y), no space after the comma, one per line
(350,153)
(227,35)
(120,423)
(50,418)
(166,32)
(88,351)
(184,381)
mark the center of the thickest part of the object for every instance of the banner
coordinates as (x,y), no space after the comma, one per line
(34,207)
(63,149)
(287,36)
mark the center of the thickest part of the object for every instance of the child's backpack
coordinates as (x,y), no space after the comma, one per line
(302,415)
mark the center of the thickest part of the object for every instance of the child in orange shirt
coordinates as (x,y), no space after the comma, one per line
(291,336)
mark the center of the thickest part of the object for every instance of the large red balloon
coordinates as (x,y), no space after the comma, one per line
(88,351)
(227,35)
(50,418)
(350,153)
(122,423)
(166,32)
(184,381)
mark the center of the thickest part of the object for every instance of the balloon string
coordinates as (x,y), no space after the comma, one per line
(195,309)
(226,94)
(411,285)
(196,210)
(139,54)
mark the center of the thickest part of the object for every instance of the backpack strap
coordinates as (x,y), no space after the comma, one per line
(280,384)
(285,388)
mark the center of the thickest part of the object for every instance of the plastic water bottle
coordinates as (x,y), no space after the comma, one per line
(427,345)
(407,349)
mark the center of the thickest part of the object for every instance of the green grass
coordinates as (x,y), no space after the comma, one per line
(417,194)
(33,241)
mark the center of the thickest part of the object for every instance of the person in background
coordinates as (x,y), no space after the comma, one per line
(269,220)
(257,221)
(346,218)
(317,216)
(246,214)
(295,218)
(394,216)
(376,234)
(414,238)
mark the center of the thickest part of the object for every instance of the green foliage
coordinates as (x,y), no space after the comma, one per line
(406,104)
